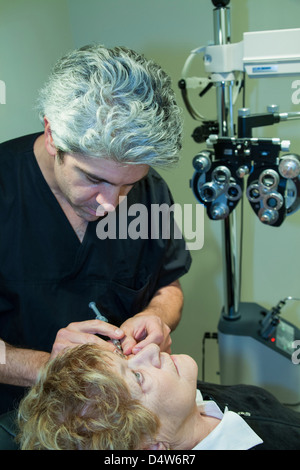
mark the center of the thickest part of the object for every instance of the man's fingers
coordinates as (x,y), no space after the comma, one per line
(96,327)
(85,332)
(127,345)
(154,337)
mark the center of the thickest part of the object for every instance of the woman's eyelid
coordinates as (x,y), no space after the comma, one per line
(135,369)
(139,376)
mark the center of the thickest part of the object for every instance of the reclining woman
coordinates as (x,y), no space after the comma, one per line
(87,398)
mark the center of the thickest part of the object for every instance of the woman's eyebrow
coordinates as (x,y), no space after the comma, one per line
(128,375)
(123,368)
(121,365)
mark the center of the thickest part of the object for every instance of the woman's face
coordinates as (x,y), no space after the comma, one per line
(165,384)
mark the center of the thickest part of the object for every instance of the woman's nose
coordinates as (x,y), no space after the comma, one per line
(149,355)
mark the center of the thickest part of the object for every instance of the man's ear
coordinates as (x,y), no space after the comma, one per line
(49,143)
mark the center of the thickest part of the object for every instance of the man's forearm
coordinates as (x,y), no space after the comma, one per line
(167,303)
(21,366)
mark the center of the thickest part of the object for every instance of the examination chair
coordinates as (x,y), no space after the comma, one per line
(8,431)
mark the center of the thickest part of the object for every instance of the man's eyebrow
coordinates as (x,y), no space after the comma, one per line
(95,177)
(103,180)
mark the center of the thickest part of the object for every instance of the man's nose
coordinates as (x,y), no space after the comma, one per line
(149,355)
(109,199)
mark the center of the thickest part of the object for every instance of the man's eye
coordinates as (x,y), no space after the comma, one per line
(91,180)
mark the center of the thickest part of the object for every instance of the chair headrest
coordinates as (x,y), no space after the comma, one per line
(8,431)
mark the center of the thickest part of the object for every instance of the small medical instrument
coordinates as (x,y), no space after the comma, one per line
(255,346)
(101,317)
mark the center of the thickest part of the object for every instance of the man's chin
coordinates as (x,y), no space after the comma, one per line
(87,214)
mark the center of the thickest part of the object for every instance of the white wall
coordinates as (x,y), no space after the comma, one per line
(33,34)
(271,266)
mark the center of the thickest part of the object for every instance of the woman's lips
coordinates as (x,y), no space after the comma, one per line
(174,362)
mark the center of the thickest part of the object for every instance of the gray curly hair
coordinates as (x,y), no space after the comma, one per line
(112,103)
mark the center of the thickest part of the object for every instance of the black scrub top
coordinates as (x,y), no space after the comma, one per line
(48,277)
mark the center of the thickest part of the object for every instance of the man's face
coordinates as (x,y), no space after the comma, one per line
(86,182)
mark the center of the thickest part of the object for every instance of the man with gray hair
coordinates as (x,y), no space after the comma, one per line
(109,116)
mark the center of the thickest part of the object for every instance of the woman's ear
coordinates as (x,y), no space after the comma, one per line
(158,446)
(49,143)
